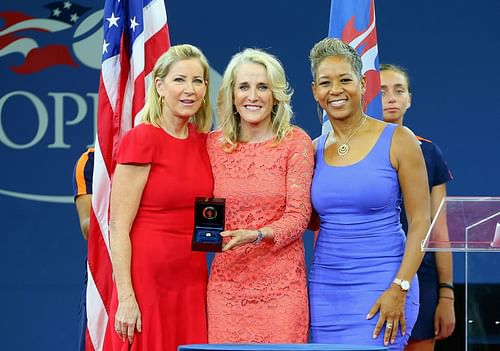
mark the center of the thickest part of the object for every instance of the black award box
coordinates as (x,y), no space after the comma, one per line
(208,224)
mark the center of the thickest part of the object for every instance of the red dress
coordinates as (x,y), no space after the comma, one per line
(169,280)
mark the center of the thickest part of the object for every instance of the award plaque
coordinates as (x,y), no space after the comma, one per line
(208,224)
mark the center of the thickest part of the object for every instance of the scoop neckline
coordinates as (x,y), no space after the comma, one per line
(359,161)
(257,142)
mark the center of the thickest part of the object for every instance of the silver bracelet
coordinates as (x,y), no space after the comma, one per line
(259,238)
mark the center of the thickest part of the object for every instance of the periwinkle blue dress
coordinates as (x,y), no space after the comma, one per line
(359,248)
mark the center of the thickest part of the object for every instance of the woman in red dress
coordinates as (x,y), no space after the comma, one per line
(159,294)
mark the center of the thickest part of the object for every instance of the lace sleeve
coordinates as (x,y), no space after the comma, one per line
(297,213)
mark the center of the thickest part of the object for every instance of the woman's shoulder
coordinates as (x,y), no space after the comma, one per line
(138,144)
(377,126)
(297,140)
(140,132)
(214,139)
(404,145)
(215,134)
(403,134)
(300,135)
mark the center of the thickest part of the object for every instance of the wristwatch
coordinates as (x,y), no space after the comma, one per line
(404,284)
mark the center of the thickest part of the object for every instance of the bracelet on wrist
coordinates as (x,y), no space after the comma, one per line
(447,286)
(259,237)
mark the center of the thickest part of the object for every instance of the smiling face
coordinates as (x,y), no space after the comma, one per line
(253,97)
(337,88)
(396,98)
(183,88)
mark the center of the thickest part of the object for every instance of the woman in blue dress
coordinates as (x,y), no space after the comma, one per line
(363,286)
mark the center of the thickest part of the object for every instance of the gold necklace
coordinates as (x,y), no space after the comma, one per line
(343,149)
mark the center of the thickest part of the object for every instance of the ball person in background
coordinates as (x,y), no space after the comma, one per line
(436,317)
(82,190)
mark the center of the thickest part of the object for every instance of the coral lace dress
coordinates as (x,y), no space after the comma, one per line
(257,292)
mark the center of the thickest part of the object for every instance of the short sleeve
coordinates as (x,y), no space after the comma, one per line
(442,173)
(137,145)
(83,173)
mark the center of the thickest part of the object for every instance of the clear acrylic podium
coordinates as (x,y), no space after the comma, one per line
(474,228)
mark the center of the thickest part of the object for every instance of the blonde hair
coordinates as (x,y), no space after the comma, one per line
(152,110)
(281,116)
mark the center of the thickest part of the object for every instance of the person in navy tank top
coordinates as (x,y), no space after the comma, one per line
(363,285)
(82,192)
(436,317)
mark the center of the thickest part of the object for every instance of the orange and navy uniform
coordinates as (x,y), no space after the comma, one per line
(82,174)
(437,168)
(82,185)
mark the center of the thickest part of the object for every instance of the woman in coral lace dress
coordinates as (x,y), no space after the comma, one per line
(262,166)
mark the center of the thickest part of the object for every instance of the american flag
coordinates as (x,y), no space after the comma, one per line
(135,35)
(353,21)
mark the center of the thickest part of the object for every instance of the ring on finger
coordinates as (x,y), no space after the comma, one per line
(389,326)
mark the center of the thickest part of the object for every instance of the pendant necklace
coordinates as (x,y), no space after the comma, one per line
(344,148)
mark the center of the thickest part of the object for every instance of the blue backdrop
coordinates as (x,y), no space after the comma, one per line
(47,118)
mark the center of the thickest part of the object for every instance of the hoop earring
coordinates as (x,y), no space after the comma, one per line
(161,99)
(320,113)
(204,102)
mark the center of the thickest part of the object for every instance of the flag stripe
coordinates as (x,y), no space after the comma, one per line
(135,36)
(95,308)
(154,50)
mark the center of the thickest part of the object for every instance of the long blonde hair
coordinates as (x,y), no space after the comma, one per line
(229,119)
(152,110)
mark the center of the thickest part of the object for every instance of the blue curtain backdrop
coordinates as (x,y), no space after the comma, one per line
(47,119)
